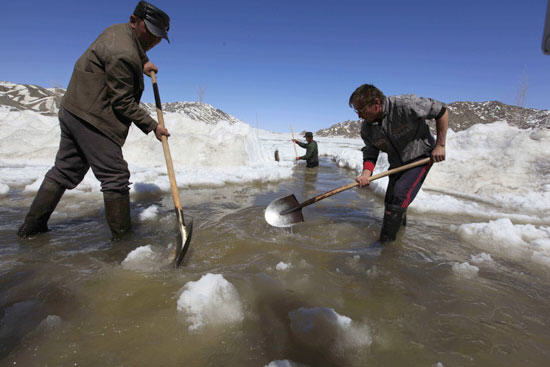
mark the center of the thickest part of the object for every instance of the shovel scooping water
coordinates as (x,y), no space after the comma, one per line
(287,211)
(184,230)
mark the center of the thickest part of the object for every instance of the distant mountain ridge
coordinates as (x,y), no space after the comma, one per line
(46,101)
(462,115)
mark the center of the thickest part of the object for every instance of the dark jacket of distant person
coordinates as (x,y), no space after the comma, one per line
(312,153)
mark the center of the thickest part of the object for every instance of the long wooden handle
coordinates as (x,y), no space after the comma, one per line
(372,178)
(165,147)
(295,151)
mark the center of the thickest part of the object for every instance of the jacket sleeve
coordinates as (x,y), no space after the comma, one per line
(303,145)
(420,108)
(370,152)
(370,156)
(120,78)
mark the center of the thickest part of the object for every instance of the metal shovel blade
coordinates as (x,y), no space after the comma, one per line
(273,211)
(184,238)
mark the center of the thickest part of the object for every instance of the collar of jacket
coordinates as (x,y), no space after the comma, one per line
(142,54)
(385,109)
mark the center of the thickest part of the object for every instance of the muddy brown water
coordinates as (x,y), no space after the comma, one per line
(65,300)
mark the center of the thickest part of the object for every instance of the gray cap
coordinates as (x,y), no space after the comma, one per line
(156,21)
(308,134)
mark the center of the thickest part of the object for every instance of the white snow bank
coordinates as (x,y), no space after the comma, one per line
(324,327)
(144,259)
(465,270)
(203,154)
(211,300)
(523,241)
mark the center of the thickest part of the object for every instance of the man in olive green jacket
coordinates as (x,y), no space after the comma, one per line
(101,102)
(312,154)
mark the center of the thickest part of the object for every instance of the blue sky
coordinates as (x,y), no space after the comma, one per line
(275,63)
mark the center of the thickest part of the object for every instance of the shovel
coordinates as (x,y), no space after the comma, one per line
(287,211)
(184,230)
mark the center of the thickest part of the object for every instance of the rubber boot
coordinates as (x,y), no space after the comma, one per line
(404,217)
(42,207)
(393,216)
(117,212)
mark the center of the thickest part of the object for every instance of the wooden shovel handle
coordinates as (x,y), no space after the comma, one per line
(372,178)
(295,151)
(165,147)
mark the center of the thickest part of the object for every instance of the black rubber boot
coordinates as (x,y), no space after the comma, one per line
(117,212)
(404,217)
(42,207)
(393,216)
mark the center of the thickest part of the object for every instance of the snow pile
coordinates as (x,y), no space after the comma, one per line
(496,164)
(324,327)
(142,258)
(505,238)
(211,300)
(465,270)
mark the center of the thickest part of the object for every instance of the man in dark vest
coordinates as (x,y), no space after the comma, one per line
(312,154)
(101,102)
(398,126)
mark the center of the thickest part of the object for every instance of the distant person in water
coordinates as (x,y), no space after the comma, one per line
(101,102)
(312,154)
(398,126)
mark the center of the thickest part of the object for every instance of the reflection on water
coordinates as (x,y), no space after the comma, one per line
(314,294)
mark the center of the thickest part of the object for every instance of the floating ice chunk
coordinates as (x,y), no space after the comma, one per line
(282,266)
(142,258)
(481,258)
(324,327)
(51,322)
(465,270)
(284,363)
(149,213)
(211,300)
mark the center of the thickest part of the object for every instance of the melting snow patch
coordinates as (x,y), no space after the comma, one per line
(211,300)
(149,213)
(465,270)
(283,266)
(142,258)
(324,327)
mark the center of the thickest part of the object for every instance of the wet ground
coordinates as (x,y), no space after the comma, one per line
(65,300)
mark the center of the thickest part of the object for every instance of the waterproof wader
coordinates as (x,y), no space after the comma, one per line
(42,207)
(401,191)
